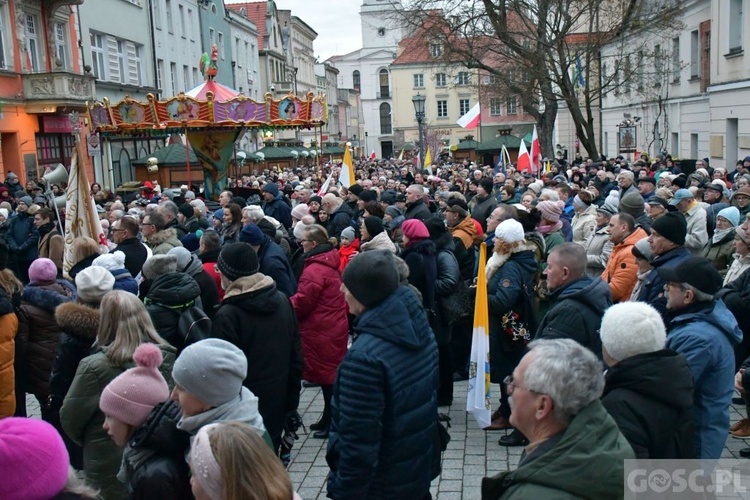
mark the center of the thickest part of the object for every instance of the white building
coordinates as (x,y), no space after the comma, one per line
(327,77)
(367,70)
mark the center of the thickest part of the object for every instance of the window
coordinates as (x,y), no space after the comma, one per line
(355,80)
(496,106)
(97,56)
(60,46)
(735,26)
(436,50)
(3,63)
(185,76)
(440,80)
(173,76)
(463,106)
(463,78)
(385,90)
(627,74)
(157,15)
(418,81)
(211,38)
(675,59)
(385,118)
(658,64)
(694,55)
(237,55)
(183,26)
(138,66)
(190,24)
(196,79)
(221,45)
(442,109)
(639,71)
(160,73)
(32,43)
(168,5)
(512,105)
(122,59)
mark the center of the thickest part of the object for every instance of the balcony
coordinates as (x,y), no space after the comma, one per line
(58,89)
(283,88)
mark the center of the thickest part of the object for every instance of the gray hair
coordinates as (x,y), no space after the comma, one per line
(169,207)
(567,372)
(573,256)
(253,212)
(549,194)
(699,295)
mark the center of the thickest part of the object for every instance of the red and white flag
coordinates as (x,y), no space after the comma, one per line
(524,159)
(470,119)
(372,156)
(536,152)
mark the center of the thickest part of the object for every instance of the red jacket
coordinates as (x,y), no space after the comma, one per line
(347,252)
(321,312)
(209,267)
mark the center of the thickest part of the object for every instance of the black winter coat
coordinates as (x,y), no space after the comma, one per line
(576,312)
(259,319)
(418,210)
(446,283)
(167,297)
(422,262)
(652,291)
(650,396)
(22,237)
(736,296)
(165,474)
(135,255)
(274,263)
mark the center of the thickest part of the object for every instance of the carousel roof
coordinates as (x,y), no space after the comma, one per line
(221,92)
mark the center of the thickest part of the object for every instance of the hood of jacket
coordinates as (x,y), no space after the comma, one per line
(173,290)
(590,291)
(380,241)
(162,236)
(663,376)
(466,225)
(399,319)
(78,319)
(324,255)
(48,297)
(160,432)
(193,267)
(256,294)
(714,313)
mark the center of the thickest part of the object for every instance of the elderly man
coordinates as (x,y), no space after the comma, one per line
(339,216)
(171,212)
(160,239)
(695,216)
(577,301)
(576,449)
(415,205)
(621,272)
(625,180)
(483,203)
(705,332)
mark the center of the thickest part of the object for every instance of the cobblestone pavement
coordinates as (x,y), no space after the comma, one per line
(472,453)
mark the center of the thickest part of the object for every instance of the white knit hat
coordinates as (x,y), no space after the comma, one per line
(509,231)
(110,261)
(632,328)
(93,283)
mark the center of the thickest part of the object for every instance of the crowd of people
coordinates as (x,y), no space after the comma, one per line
(169,362)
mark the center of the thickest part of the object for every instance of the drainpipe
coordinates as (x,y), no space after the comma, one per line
(153,45)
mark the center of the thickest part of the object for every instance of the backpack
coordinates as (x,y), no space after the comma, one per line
(193,325)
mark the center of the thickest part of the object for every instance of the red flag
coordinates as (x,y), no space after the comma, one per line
(372,156)
(536,152)
(524,160)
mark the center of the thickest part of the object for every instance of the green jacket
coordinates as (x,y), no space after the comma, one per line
(586,463)
(82,420)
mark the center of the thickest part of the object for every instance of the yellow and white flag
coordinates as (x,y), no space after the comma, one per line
(428,160)
(81,218)
(347,170)
(401,155)
(478,397)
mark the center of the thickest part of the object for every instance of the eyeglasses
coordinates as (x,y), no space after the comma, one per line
(511,386)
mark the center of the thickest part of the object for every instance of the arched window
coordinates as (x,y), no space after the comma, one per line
(355,80)
(385,88)
(385,118)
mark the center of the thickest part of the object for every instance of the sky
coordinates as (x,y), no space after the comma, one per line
(336,22)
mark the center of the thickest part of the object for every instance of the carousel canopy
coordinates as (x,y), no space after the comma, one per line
(221,92)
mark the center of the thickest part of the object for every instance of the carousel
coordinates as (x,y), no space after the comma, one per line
(212,117)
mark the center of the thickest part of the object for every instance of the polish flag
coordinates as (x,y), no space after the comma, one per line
(470,119)
(536,152)
(524,160)
(372,156)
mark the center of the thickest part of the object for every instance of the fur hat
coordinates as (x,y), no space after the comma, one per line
(371,276)
(212,370)
(93,283)
(132,395)
(632,328)
(42,271)
(34,459)
(158,265)
(238,260)
(551,210)
(414,229)
(509,231)
(368,195)
(110,261)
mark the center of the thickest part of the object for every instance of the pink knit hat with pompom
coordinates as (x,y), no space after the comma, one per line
(132,395)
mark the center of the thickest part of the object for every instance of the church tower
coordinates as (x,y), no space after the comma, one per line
(381,24)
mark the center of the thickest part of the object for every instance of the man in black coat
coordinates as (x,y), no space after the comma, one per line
(415,205)
(577,301)
(257,318)
(125,233)
(273,260)
(649,389)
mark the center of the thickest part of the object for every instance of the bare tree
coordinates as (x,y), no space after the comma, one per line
(545,51)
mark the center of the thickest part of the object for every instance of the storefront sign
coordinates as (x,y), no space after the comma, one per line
(56,124)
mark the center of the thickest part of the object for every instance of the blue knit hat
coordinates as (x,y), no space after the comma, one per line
(732,214)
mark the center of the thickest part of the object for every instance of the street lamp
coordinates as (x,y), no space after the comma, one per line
(418,101)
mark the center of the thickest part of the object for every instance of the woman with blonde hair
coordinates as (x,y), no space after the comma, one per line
(124,325)
(232,462)
(83,251)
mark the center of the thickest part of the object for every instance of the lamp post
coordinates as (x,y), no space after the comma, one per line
(418,101)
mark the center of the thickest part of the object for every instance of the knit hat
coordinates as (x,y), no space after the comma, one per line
(371,277)
(509,231)
(187,210)
(414,229)
(732,214)
(237,260)
(110,261)
(26,200)
(219,214)
(487,184)
(183,257)
(315,199)
(368,195)
(551,210)
(392,211)
(608,210)
(271,187)
(34,459)
(132,395)
(695,271)
(4,212)
(300,211)
(374,226)
(158,265)
(621,321)
(348,233)
(613,198)
(305,222)
(632,203)
(356,189)
(672,226)
(191,241)
(642,249)
(93,283)
(252,234)
(42,271)
(212,370)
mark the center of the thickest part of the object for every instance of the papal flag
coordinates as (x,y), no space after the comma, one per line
(346,177)
(81,218)
(428,160)
(478,397)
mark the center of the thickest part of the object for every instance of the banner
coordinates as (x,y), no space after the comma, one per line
(346,178)
(478,396)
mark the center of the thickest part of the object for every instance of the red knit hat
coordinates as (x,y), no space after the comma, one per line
(414,229)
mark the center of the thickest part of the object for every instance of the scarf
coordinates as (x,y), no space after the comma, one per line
(243,408)
(720,234)
(546,229)
(132,460)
